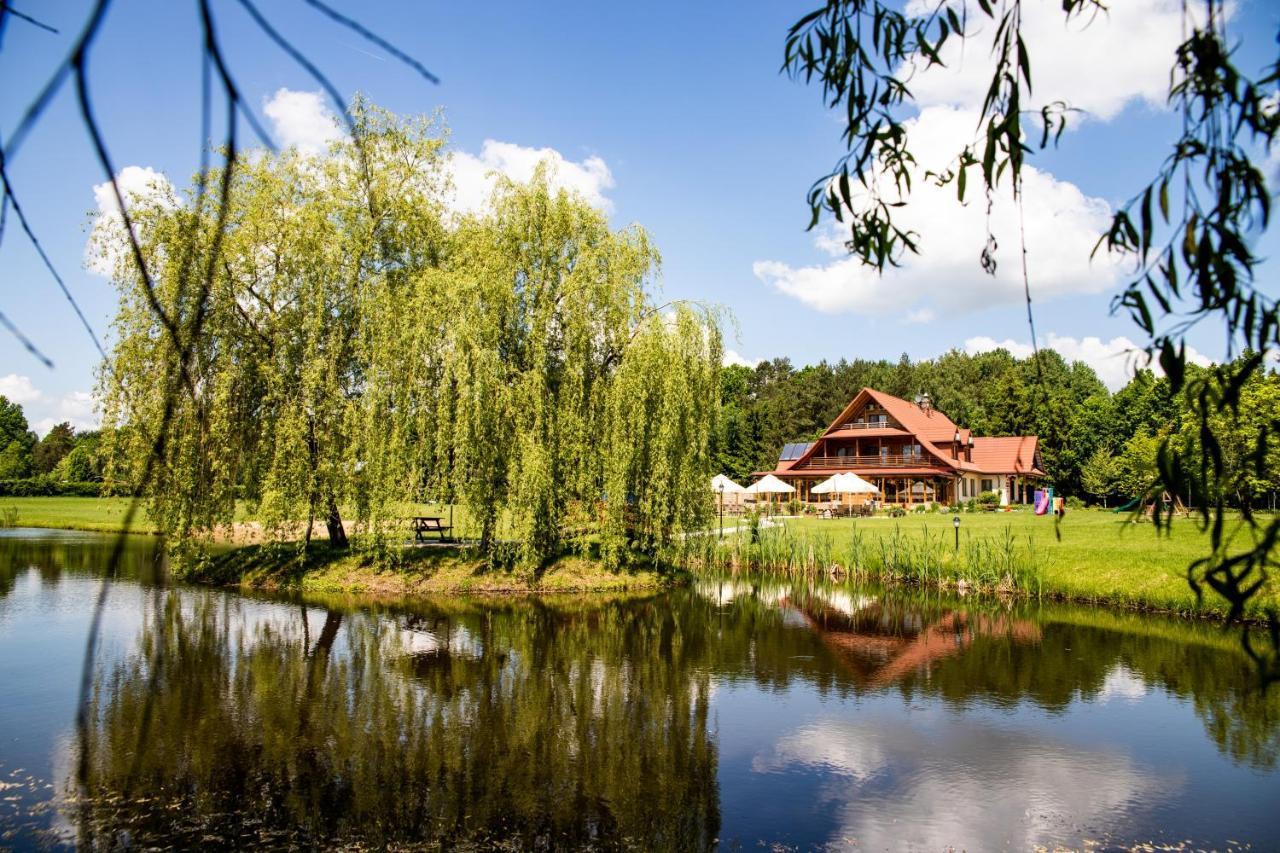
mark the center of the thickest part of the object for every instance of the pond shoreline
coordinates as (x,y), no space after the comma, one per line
(412,572)
(449,570)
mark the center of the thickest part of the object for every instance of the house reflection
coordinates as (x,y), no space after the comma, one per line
(878,645)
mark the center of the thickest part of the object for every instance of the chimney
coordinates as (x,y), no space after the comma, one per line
(955,445)
(968,452)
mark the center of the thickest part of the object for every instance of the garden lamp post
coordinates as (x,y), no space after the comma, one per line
(722,510)
(955,522)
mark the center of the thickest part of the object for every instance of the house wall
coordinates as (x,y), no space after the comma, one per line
(969,486)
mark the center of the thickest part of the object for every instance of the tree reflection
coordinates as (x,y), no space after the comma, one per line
(567,723)
(53,552)
(550,725)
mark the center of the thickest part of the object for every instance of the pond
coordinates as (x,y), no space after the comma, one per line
(734,713)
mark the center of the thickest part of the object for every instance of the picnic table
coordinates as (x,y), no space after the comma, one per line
(424,524)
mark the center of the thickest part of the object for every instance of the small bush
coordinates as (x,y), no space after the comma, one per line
(1074,502)
(989,500)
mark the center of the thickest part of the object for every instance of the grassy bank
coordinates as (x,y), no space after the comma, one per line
(105,515)
(1093,556)
(410,572)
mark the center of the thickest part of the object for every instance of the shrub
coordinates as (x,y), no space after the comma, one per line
(1074,502)
(989,500)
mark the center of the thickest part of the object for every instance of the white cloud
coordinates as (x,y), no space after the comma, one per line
(1062,227)
(982,783)
(1124,684)
(473,176)
(18,389)
(734,357)
(1114,361)
(302,120)
(43,411)
(1095,62)
(105,250)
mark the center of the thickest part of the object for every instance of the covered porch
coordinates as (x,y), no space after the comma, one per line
(895,489)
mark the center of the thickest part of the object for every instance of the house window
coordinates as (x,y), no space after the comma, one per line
(988,485)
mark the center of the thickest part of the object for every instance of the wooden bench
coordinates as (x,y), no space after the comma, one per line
(424,524)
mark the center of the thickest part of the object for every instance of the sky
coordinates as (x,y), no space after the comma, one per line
(670,115)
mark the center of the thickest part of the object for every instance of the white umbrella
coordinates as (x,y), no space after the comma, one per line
(852,484)
(721,483)
(768,485)
(827,486)
(847,483)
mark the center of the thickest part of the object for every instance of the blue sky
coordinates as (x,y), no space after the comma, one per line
(670,115)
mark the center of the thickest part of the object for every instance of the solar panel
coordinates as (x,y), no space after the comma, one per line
(793,450)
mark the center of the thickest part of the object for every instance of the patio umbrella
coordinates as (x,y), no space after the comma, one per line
(852,484)
(722,484)
(847,483)
(769,485)
(827,486)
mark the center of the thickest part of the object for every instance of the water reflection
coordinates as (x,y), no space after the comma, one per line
(554,724)
(736,712)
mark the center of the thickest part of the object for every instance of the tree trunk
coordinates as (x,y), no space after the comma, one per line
(337,535)
(324,643)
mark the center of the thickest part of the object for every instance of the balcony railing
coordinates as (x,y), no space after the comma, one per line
(869,461)
(860,425)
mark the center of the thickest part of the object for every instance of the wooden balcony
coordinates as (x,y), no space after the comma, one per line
(855,426)
(868,461)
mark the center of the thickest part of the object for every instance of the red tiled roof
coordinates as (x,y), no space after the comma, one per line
(935,433)
(929,424)
(1010,454)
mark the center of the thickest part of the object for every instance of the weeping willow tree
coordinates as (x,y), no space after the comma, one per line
(269,396)
(537,330)
(364,346)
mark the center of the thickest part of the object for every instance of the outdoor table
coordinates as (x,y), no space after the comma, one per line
(424,524)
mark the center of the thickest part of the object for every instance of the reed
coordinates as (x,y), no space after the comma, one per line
(1000,562)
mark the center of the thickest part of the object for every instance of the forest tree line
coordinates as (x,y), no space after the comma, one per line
(62,455)
(1097,445)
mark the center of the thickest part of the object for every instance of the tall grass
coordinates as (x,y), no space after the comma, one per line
(1002,562)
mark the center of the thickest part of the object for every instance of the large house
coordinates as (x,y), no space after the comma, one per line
(913,453)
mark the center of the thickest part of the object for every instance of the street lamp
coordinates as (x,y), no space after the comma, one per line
(955,522)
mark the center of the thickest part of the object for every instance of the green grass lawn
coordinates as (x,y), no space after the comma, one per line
(107,514)
(102,514)
(1097,555)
